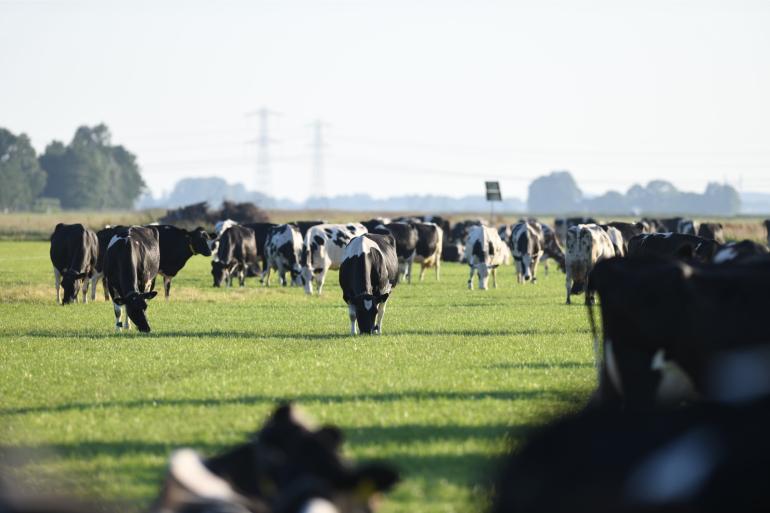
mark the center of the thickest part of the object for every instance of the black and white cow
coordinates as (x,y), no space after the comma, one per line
(131,263)
(289,466)
(74,251)
(561,225)
(177,246)
(712,231)
(552,249)
(665,323)
(628,231)
(739,252)
(304,226)
(430,243)
(368,273)
(104,236)
(405,235)
(526,246)
(587,245)
(375,222)
(283,251)
(324,249)
(236,252)
(484,252)
(673,245)
(618,241)
(440,221)
(261,231)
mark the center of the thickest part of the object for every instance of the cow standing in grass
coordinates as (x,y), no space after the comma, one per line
(283,251)
(74,251)
(587,244)
(526,247)
(131,263)
(368,273)
(324,249)
(430,243)
(177,246)
(237,250)
(551,248)
(484,252)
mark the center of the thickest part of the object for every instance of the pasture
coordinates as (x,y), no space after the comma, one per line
(458,378)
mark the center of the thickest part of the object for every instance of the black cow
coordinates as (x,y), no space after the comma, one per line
(712,231)
(439,221)
(74,251)
(705,458)
(368,273)
(287,467)
(131,263)
(375,222)
(673,245)
(236,252)
(669,225)
(453,251)
(177,246)
(665,322)
(261,231)
(405,235)
(430,243)
(739,252)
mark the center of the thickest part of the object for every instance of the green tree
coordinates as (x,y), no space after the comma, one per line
(91,173)
(21,177)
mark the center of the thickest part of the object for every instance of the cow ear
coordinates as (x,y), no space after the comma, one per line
(149,295)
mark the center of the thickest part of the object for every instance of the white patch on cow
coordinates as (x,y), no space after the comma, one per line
(612,367)
(368,304)
(675,384)
(198,481)
(725,255)
(352,316)
(676,472)
(318,505)
(114,240)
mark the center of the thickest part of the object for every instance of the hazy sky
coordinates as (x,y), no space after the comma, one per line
(419,97)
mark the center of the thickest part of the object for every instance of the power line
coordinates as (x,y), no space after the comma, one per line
(319,186)
(263,181)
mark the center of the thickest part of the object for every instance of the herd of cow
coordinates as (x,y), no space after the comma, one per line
(678,422)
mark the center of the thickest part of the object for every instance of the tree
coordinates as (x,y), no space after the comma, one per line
(21,177)
(556,193)
(91,173)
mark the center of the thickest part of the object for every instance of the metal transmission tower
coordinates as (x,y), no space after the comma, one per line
(319,186)
(263,181)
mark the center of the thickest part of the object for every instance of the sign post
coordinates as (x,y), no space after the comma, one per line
(493,194)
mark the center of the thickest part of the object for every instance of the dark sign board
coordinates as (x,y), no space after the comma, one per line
(493,191)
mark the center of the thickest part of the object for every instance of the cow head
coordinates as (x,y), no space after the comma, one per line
(71,282)
(220,272)
(199,242)
(136,307)
(366,313)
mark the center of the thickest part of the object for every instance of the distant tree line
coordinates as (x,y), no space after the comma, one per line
(88,173)
(558,193)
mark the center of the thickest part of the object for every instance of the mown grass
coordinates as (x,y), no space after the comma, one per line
(457,379)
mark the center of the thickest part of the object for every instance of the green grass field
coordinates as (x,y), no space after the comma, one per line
(458,378)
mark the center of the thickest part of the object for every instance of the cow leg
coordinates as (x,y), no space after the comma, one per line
(126,320)
(409,270)
(438,268)
(118,311)
(470,279)
(166,286)
(380,315)
(494,278)
(84,289)
(94,280)
(242,276)
(352,317)
(104,288)
(321,280)
(535,261)
(57,283)
(422,270)
(569,286)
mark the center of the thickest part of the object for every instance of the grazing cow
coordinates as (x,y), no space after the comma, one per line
(629,231)
(712,231)
(74,251)
(405,235)
(304,226)
(739,252)
(673,245)
(704,458)
(177,246)
(104,236)
(551,248)
(700,313)
(289,466)
(526,246)
(283,251)
(324,249)
(430,243)
(618,241)
(261,230)
(237,250)
(368,273)
(131,263)
(587,245)
(484,252)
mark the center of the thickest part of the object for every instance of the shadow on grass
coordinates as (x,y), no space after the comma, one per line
(540,365)
(504,395)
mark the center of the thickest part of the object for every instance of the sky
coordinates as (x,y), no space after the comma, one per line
(416,97)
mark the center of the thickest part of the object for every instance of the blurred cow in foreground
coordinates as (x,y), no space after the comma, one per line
(673,245)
